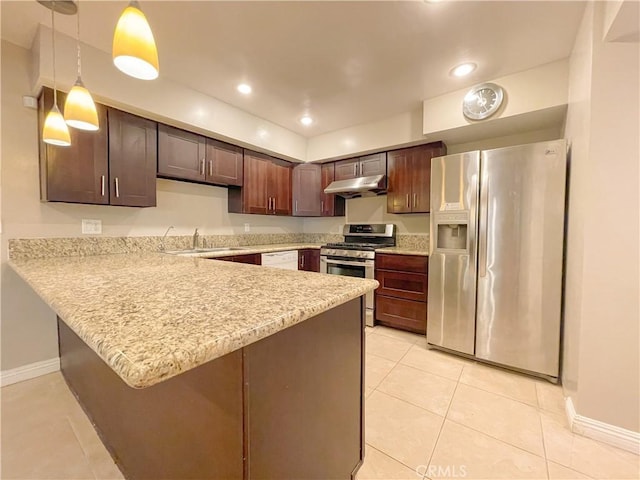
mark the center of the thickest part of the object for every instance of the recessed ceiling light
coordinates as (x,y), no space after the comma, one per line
(306,120)
(244,88)
(463,69)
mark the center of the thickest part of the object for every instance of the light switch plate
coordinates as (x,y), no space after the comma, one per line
(91,227)
(247,227)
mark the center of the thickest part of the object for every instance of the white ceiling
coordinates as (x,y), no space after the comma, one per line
(344,63)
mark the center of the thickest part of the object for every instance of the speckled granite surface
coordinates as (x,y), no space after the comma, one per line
(276,247)
(403,251)
(65,247)
(151,316)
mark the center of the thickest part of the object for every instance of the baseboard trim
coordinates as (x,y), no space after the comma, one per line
(603,432)
(26,372)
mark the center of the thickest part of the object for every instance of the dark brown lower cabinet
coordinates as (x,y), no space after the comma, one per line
(401,298)
(251,258)
(309,259)
(260,412)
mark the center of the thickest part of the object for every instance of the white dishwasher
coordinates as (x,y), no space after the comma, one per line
(287,260)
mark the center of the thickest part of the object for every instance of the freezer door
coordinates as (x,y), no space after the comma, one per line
(520,253)
(452,259)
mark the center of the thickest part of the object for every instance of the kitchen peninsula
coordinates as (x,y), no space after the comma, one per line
(197,368)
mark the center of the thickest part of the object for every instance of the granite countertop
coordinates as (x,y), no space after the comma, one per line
(403,251)
(151,316)
(248,250)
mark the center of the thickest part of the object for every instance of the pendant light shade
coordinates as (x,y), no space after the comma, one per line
(55,131)
(79,108)
(134,49)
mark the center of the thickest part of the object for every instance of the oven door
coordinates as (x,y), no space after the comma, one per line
(351,268)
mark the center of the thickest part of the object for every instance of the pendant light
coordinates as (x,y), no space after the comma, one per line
(55,131)
(79,108)
(134,49)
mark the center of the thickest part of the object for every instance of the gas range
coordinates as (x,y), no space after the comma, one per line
(355,257)
(361,241)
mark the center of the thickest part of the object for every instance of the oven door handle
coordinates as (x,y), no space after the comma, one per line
(368,263)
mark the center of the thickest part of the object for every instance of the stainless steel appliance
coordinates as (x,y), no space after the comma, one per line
(355,257)
(496,255)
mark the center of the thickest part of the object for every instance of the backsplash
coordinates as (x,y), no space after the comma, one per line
(84,246)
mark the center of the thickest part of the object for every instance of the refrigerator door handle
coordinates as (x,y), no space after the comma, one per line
(483,230)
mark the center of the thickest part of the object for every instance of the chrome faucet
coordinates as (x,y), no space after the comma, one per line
(162,248)
(195,239)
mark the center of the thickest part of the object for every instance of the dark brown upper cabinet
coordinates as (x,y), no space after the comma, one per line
(78,173)
(408,186)
(266,187)
(187,156)
(331,205)
(115,165)
(305,188)
(133,152)
(366,166)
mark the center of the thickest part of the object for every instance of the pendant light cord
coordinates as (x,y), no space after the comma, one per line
(78,37)
(53,42)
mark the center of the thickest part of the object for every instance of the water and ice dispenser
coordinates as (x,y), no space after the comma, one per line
(452,232)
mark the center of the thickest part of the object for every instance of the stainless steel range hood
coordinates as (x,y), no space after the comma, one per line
(358,187)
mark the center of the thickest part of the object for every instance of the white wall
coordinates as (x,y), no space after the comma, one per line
(602,319)
(28,327)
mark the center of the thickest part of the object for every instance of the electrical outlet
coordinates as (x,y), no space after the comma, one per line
(247,227)
(91,227)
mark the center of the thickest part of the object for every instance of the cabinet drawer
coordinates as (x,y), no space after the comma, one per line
(404,263)
(402,314)
(411,286)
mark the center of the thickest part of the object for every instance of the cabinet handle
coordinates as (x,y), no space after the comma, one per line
(202,167)
(408,204)
(296,206)
(302,261)
(321,206)
(274,204)
(270,203)
(415,200)
(355,169)
(211,168)
(102,179)
(117,188)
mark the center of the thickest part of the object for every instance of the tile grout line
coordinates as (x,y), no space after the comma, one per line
(430,372)
(82,447)
(544,444)
(435,445)
(389,456)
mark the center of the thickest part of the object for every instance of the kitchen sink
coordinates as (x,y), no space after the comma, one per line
(204,250)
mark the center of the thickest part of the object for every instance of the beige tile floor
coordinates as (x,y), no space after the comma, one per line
(426,413)
(436,414)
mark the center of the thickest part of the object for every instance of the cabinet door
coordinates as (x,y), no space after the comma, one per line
(402,314)
(224,163)
(375,164)
(346,169)
(332,205)
(254,190)
(279,188)
(78,173)
(305,188)
(399,195)
(421,175)
(133,154)
(180,154)
(309,260)
(250,258)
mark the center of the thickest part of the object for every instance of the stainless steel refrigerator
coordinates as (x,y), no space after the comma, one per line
(496,255)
